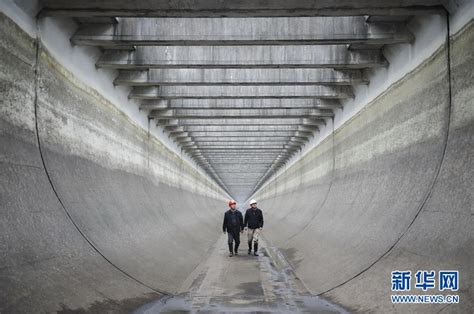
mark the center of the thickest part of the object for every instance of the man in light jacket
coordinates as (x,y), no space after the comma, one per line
(253,222)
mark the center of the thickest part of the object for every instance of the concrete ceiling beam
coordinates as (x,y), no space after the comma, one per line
(242,128)
(240,114)
(242,8)
(242,145)
(212,77)
(250,139)
(227,150)
(241,32)
(328,56)
(230,156)
(248,154)
(231,122)
(238,92)
(257,147)
(241,103)
(230,162)
(230,135)
(223,161)
(181,135)
(155,104)
(224,139)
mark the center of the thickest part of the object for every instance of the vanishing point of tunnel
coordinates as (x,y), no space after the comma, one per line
(126,127)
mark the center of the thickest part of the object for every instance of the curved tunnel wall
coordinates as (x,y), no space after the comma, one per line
(98,215)
(390,190)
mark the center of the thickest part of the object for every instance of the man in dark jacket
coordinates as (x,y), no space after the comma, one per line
(233,225)
(254,222)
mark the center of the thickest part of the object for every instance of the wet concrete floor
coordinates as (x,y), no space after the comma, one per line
(243,283)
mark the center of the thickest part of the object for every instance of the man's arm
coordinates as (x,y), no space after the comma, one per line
(224,225)
(241,222)
(261,219)
(246,218)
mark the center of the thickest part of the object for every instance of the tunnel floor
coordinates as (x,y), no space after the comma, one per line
(243,283)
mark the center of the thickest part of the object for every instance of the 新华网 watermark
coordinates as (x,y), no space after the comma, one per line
(447,280)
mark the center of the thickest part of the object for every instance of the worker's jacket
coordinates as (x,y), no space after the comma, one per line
(233,221)
(253,218)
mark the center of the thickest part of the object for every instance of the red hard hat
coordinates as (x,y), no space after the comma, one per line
(232,202)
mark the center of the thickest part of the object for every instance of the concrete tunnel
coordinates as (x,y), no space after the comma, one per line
(126,126)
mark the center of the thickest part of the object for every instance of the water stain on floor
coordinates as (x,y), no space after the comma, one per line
(243,284)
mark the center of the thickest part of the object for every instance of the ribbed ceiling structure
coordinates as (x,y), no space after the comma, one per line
(241,86)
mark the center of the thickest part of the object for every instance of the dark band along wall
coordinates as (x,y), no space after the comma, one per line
(100,214)
(390,190)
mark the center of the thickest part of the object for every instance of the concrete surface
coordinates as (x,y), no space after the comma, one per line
(100,216)
(244,8)
(99,187)
(242,283)
(196,57)
(390,190)
(225,92)
(303,76)
(243,31)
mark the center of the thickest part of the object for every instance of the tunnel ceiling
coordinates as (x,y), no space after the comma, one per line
(241,86)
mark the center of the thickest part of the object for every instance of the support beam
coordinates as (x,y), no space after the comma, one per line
(242,174)
(97,20)
(241,128)
(237,92)
(262,160)
(330,56)
(243,177)
(243,122)
(387,18)
(280,154)
(230,135)
(235,175)
(155,104)
(240,103)
(263,144)
(242,8)
(216,162)
(254,138)
(226,149)
(243,167)
(256,146)
(251,154)
(244,147)
(241,32)
(233,140)
(181,135)
(189,77)
(225,164)
(240,114)
(248,154)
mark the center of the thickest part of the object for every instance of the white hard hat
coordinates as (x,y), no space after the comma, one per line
(253,202)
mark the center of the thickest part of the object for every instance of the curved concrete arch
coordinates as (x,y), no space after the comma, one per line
(98,215)
(142,219)
(370,213)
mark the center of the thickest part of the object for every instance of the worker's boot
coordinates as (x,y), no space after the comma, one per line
(250,247)
(231,250)
(255,248)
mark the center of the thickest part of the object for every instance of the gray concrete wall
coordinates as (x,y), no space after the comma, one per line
(95,213)
(390,190)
